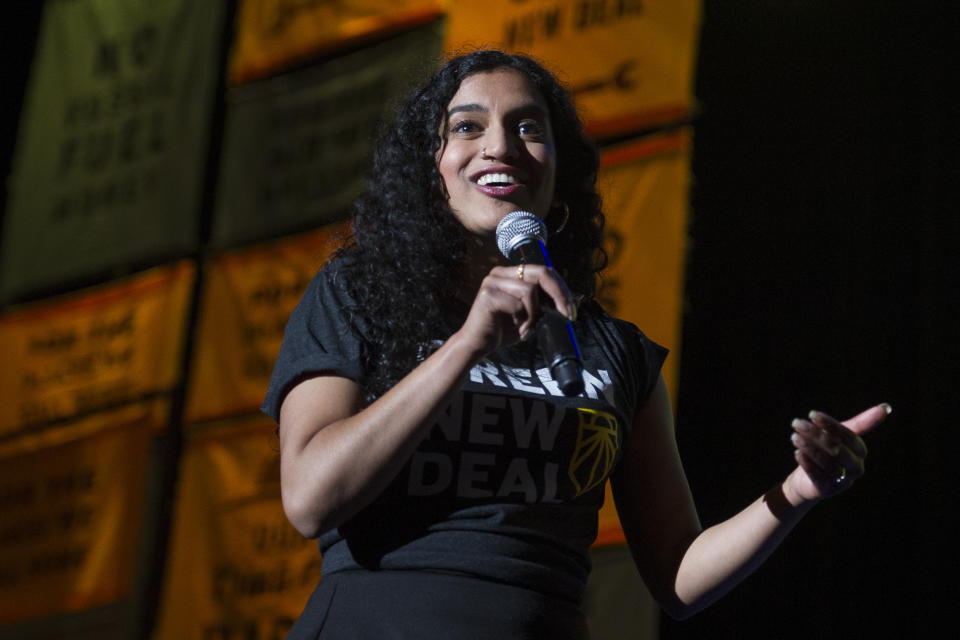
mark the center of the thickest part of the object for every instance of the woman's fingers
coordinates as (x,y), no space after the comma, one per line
(836,431)
(531,279)
(507,306)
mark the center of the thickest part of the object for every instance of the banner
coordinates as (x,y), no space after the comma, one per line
(94,349)
(248,297)
(296,147)
(237,568)
(645,189)
(70,518)
(274,34)
(110,154)
(629,63)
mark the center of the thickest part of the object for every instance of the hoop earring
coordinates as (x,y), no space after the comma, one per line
(566,218)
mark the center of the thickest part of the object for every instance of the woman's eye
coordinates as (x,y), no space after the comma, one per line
(531,128)
(464,126)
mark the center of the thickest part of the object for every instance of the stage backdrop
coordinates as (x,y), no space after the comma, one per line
(629,62)
(71,512)
(297,146)
(237,568)
(644,184)
(272,35)
(248,296)
(110,153)
(93,350)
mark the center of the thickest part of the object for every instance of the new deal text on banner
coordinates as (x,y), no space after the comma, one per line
(274,34)
(237,568)
(248,295)
(70,514)
(110,153)
(629,62)
(296,147)
(94,349)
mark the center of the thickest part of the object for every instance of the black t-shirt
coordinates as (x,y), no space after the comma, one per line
(507,484)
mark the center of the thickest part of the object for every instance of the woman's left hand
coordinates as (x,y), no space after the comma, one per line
(830,454)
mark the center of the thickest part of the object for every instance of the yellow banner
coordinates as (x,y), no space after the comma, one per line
(70,520)
(645,188)
(237,568)
(248,296)
(93,350)
(275,34)
(629,62)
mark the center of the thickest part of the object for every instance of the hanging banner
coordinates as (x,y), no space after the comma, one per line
(275,34)
(629,63)
(70,518)
(237,568)
(110,154)
(296,147)
(645,188)
(248,297)
(93,350)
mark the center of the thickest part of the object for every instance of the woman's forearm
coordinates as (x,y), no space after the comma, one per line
(721,556)
(331,470)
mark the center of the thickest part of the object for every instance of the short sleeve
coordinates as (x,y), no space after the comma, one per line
(318,338)
(651,357)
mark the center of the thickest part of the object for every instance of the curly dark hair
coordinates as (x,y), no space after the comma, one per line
(407,248)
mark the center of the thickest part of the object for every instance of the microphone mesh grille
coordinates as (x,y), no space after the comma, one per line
(519,227)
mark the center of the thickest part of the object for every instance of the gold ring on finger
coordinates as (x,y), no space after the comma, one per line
(520,271)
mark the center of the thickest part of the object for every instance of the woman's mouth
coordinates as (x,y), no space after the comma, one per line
(498,184)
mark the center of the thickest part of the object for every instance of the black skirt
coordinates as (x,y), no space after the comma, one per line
(383,605)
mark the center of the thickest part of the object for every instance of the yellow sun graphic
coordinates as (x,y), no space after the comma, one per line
(595,450)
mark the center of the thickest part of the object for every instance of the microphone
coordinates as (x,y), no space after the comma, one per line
(522,238)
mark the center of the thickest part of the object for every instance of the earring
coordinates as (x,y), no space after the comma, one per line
(566,217)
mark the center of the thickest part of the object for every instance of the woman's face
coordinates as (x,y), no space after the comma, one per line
(498,154)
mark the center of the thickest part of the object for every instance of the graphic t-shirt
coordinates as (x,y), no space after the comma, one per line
(507,484)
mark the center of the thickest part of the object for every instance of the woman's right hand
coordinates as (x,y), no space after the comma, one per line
(507,305)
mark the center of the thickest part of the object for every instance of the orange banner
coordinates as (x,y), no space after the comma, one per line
(70,518)
(93,350)
(275,34)
(645,188)
(629,62)
(248,296)
(237,568)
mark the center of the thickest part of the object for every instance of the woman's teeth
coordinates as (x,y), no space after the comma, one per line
(496,178)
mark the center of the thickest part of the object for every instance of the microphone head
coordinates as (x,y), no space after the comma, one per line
(519,227)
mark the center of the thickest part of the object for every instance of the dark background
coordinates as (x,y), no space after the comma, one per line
(822,274)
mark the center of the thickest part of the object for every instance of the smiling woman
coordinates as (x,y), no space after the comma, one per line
(498,153)
(453,486)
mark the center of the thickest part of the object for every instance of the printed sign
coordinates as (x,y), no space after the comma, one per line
(247,298)
(70,520)
(93,350)
(645,189)
(629,63)
(237,568)
(297,147)
(110,153)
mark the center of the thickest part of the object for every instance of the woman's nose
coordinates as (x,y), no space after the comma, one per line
(498,144)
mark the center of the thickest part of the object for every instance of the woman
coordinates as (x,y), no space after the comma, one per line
(453,487)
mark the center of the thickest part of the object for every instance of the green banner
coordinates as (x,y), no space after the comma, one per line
(110,153)
(297,146)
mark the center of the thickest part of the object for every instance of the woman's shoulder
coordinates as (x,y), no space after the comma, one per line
(593,314)
(620,341)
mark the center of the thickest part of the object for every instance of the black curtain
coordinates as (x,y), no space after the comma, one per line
(821,275)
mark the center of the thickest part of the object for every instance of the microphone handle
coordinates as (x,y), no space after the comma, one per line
(555,336)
